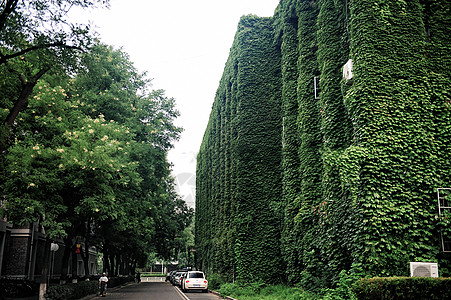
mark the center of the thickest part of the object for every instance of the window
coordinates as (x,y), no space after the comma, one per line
(444,208)
(316,87)
(196,275)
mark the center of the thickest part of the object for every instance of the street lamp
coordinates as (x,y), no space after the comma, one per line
(53,248)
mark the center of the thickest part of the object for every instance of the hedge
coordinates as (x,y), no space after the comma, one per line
(72,291)
(403,288)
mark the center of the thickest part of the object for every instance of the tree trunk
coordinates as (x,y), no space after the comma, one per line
(118,264)
(112,264)
(65,262)
(84,253)
(22,101)
(106,261)
(45,270)
(7,9)
(126,265)
(27,89)
(123,265)
(133,267)
(74,264)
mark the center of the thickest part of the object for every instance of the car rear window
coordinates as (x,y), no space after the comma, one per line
(196,275)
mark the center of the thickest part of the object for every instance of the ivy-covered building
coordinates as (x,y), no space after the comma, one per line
(328,138)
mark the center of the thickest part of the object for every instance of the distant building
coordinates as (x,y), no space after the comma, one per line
(22,254)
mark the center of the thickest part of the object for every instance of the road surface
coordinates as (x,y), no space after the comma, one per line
(158,290)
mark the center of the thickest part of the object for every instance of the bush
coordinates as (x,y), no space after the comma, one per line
(152,275)
(71,291)
(343,289)
(258,291)
(418,288)
(215,281)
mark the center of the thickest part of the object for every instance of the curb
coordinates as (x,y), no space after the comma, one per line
(219,294)
(182,294)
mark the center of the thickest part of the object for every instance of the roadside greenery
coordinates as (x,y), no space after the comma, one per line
(276,292)
(72,291)
(146,274)
(347,289)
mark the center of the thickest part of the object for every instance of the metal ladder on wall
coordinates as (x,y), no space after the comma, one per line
(444,204)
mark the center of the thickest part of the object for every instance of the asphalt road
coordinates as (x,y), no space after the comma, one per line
(154,290)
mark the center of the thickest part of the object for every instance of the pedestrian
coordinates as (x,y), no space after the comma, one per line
(138,277)
(102,284)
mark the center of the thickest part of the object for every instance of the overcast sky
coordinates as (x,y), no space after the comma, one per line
(183,45)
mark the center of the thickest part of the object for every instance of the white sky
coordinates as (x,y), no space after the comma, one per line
(183,45)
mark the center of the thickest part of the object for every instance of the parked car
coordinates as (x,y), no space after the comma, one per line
(168,276)
(177,278)
(173,273)
(172,278)
(194,280)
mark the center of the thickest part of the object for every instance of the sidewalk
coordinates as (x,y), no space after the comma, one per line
(93,296)
(109,290)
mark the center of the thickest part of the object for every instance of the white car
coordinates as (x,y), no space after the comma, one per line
(194,280)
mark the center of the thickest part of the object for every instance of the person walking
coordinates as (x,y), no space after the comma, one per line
(138,277)
(102,284)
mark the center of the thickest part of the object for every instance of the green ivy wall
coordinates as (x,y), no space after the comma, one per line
(239,173)
(306,188)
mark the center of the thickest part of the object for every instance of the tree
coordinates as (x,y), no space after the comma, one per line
(27,26)
(36,36)
(97,144)
(112,86)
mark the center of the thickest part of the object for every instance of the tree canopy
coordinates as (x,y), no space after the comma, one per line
(87,157)
(38,37)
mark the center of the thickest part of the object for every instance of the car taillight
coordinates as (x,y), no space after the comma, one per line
(205,281)
(187,281)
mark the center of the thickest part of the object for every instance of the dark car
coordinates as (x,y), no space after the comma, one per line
(168,276)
